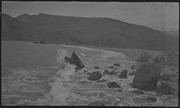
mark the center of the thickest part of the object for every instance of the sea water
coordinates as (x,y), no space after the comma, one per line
(44,78)
(28,83)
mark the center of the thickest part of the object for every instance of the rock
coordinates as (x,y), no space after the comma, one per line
(96,67)
(109,73)
(106,72)
(151,99)
(146,77)
(132,73)
(133,67)
(123,74)
(94,76)
(112,73)
(116,64)
(113,85)
(138,92)
(75,61)
(164,88)
(96,103)
(111,66)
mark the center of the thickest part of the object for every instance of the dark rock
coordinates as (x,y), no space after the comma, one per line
(116,64)
(151,99)
(123,74)
(112,73)
(113,85)
(106,72)
(132,73)
(138,92)
(96,103)
(133,67)
(94,76)
(164,89)
(109,73)
(96,67)
(146,77)
(75,61)
(111,66)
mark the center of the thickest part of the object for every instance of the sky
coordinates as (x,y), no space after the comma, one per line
(157,15)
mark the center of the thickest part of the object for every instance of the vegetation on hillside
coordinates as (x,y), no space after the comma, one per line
(100,32)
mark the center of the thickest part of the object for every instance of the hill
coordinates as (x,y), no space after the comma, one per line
(84,31)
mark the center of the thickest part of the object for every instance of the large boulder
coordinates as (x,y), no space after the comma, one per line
(123,74)
(94,76)
(146,77)
(75,61)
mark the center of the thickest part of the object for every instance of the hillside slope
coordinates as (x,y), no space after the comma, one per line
(84,31)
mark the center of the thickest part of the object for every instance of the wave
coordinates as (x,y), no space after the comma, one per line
(59,90)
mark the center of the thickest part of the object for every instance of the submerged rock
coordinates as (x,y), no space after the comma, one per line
(146,77)
(94,76)
(75,61)
(116,64)
(164,89)
(123,74)
(113,85)
(96,67)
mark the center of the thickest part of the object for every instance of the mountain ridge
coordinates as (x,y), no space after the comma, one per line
(87,31)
